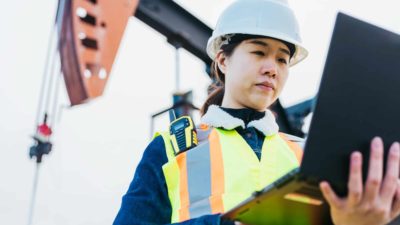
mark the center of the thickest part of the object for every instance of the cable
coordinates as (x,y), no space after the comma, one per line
(44,79)
(46,92)
(51,82)
(42,95)
(55,100)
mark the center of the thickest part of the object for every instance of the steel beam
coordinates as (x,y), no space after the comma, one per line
(181,28)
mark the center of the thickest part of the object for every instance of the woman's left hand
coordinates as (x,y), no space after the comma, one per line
(378,202)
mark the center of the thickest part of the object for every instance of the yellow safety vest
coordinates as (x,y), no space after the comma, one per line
(223,171)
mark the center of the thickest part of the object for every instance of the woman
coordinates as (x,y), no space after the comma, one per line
(240,150)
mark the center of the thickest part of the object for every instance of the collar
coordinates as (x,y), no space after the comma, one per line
(217,117)
(245,114)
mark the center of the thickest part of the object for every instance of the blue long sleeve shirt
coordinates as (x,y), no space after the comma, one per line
(147,203)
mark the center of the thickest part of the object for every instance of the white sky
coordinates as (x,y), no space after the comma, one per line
(98,145)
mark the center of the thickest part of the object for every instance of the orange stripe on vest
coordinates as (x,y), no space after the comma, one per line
(297,150)
(184,192)
(217,173)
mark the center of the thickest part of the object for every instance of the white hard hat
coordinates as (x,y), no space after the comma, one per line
(270,18)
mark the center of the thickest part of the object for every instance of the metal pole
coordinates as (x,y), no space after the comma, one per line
(33,197)
(177,69)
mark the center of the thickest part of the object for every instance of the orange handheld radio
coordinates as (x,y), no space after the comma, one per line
(182,132)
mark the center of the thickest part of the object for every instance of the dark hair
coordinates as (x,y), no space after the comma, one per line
(216,89)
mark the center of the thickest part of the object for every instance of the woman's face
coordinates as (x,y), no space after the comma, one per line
(255,73)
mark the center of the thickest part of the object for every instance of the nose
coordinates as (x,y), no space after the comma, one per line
(269,68)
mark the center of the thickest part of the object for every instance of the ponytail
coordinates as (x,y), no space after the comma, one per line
(215,98)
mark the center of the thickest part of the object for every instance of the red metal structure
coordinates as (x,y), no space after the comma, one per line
(90,37)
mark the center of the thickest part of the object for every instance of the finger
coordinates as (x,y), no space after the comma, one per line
(330,196)
(375,170)
(395,212)
(355,185)
(389,184)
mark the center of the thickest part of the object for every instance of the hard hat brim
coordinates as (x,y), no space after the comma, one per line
(214,45)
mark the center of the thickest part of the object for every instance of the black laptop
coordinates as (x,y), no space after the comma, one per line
(358,99)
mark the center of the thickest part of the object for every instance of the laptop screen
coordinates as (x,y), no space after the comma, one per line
(358,99)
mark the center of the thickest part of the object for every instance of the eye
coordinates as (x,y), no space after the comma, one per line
(283,60)
(259,53)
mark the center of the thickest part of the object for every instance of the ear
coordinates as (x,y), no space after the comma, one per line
(221,61)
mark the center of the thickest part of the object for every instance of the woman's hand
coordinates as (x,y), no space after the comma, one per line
(378,202)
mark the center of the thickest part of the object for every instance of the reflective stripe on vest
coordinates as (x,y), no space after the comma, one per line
(222,171)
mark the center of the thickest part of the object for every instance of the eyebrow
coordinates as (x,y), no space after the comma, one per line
(263,44)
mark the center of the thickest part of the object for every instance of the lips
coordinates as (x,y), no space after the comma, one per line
(267,86)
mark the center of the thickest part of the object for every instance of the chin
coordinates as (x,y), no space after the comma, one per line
(258,107)
(261,104)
